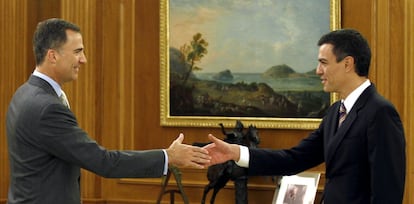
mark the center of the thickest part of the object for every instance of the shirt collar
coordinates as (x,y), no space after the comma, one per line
(353,97)
(49,80)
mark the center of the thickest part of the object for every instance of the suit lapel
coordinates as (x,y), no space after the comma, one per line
(334,139)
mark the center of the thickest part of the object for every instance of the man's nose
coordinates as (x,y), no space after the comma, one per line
(83,59)
(319,69)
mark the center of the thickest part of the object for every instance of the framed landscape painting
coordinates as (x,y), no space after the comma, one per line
(248,60)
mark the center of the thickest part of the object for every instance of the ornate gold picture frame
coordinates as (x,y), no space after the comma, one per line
(222,61)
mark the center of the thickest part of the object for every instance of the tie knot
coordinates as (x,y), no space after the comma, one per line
(64,100)
(342,109)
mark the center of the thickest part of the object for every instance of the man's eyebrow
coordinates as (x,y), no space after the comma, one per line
(322,60)
(78,50)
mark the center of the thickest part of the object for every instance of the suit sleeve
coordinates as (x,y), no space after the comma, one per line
(386,146)
(61,136)
(308,153)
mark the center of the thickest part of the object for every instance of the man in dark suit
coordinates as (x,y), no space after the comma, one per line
(363,148)
(46,146)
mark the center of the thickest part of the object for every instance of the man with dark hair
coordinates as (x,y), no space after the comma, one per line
(47,147)
(361,138)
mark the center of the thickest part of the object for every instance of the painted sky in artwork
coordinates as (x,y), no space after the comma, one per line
(251,35)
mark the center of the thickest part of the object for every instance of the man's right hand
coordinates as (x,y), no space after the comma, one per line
(187,156)
(221,151)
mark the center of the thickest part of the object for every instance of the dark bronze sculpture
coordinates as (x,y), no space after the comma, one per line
(218,175)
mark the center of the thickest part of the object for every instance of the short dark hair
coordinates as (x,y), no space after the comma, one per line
(349,42)
(50,34)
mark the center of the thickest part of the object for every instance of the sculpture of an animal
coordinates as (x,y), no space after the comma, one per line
(218,175)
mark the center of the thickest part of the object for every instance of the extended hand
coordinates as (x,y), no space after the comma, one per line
(221,151)
(183,155)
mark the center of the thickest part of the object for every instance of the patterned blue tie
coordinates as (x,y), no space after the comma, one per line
(342,114)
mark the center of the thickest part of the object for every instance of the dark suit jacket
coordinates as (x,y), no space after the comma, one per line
(47,148)
(364,158)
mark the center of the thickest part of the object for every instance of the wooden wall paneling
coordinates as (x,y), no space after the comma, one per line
(380,45)
(147,76)
(119,69)
(388,49)
(13,73)
(408,75)
(357,14)
(395,68)
(110,87)
(127,74)
(110,72)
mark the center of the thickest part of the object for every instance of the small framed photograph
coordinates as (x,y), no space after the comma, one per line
(297,189)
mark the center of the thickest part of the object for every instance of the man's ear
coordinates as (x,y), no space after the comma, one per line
(51,56)
(349,63)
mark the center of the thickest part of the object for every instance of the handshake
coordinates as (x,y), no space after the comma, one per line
(187,156)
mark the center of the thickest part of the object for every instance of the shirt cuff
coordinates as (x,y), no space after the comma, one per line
(244,157)
(166,162)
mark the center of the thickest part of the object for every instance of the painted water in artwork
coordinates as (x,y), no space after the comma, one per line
(246,58)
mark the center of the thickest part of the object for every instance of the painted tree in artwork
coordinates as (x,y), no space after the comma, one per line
(193,53)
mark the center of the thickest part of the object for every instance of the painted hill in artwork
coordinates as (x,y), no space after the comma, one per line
(225,75)
(285,71)
(278,71)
